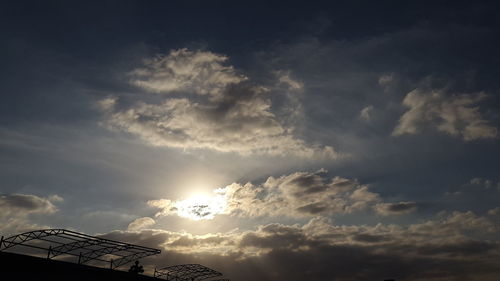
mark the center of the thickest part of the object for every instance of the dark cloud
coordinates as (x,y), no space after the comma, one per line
(15,209)
(275,236)
(148,238)
(187,241)
(313,208)
(320,250)
(26,203)
(368,238)
(396,208)
(467,248)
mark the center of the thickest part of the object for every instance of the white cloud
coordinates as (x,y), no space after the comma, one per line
(199,72)
(301,194)
(201,207)
(455,115)
(141,223)
(237,116)
(482,183)
(366,113)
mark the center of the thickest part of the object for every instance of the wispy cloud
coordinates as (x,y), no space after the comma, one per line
(455,115)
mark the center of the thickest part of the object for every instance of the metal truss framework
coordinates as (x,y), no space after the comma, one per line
(87,248)
(186,272)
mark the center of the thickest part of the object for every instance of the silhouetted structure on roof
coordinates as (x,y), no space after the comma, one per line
(57,242)
(17,267)
(66,243)
(136,268)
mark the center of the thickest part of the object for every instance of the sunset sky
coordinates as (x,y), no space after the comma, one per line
(270,140)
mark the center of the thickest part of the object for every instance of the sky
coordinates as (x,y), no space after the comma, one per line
(269,140)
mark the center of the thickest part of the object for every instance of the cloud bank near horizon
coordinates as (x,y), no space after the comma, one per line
(450,245)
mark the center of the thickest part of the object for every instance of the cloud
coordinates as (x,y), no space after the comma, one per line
(24,204)
(236,117)
(480,183)
(366,113)
(476,190)
(141,223)
(300,194)
(494,212)
(396,208)
(454,115)
(286,79)
(448,246)
(15,209)
(195,208)
(199,72)
(180,242)
(385,79)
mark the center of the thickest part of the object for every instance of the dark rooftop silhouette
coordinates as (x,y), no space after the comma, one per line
(17,267)
(61,243)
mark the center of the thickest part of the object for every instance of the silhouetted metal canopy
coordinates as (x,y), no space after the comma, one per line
(186,272)
(60,242)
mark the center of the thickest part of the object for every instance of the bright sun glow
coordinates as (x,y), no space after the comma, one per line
(201,206)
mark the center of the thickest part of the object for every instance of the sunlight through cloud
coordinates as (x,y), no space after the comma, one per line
(197,207)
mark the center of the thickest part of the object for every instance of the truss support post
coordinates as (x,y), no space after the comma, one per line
(48,252)
(111,264)
(1,243)
(79,257)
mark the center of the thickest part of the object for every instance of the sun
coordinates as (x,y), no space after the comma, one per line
(201,206)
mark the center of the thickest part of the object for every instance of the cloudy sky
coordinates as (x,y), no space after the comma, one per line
(348,140)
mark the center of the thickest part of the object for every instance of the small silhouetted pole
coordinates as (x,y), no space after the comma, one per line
(1,242)
(111,264)
(48,253)
(79,257)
